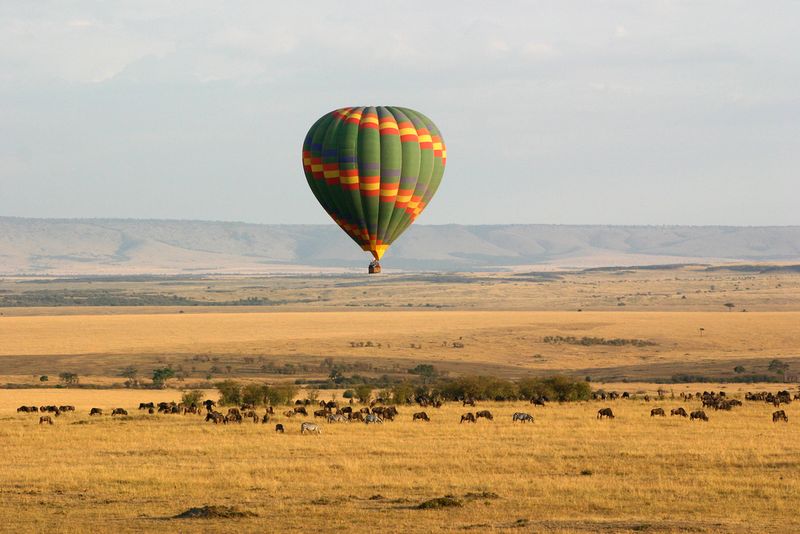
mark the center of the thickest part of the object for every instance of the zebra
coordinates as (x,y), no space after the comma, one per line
(336,418)
(522,417)
(311,428)
(372,418)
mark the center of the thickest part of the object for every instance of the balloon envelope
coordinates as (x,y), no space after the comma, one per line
(374,170)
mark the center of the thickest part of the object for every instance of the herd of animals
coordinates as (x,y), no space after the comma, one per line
(378,412)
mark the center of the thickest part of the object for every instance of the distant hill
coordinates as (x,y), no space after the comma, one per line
(99,246)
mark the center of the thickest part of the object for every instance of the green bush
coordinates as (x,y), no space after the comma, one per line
(255,394)
(363,393)
(230,392)
(192,396)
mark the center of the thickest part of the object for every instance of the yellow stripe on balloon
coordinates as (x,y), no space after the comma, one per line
(388,192)
(370,187)
(348,179)
(316,168)
(425,138)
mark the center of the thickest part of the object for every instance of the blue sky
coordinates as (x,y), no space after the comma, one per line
(605,112)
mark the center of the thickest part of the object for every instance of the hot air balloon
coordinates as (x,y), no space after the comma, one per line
(374,170)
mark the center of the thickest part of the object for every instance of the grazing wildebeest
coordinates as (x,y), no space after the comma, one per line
(265,419)
(96,411)
(626,395)
(279,428)
(486,414)
(321,413)
(234,411)
(301,410)
(289,413)
(372,418)
(538,401)
(346,409)
(311,428)
(605,412)
(678,411)
(699,414)
(118,411)
(356,416)
(208,403)
(337,418)
(468,402)
(522,417)
(146,405)
(151,411)
(657,411)
(420,416)
(234,417)
(66,408)
(780,415)
(27,409)
(45,419)
(468,417)
(215,417)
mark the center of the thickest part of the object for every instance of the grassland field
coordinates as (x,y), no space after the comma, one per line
(566,472)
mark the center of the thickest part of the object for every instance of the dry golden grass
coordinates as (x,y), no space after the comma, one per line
(739,472)
(498,342)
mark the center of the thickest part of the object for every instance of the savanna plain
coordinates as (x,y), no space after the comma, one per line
(99,341)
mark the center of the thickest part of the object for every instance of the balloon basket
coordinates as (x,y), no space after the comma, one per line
(374,267)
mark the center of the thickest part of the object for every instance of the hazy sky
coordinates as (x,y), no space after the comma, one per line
(620,112)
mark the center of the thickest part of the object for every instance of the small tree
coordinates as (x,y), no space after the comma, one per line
(254,394)
(286,393)
(363,393)
(160,376)
(730,306)
(312,394)
(403,393)
(739,369)
(131,373)
(44,378)
(192,396)
(68,378)
(230,392)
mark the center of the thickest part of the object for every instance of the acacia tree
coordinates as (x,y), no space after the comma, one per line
(160,376)
(69,378)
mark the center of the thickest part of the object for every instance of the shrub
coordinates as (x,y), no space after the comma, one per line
(403,393)
(349,394)
(44,378)
(193,396)
(230,392)
(254,394)
(363,393)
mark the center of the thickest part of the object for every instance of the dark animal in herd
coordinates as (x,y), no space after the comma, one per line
(700,415)
(279,428)
(420,416)
(45,419)
(780,415)
(486,414)
(605,412)
(657,411)
(96,411)
(118,411)
(469,417)
(678,411)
